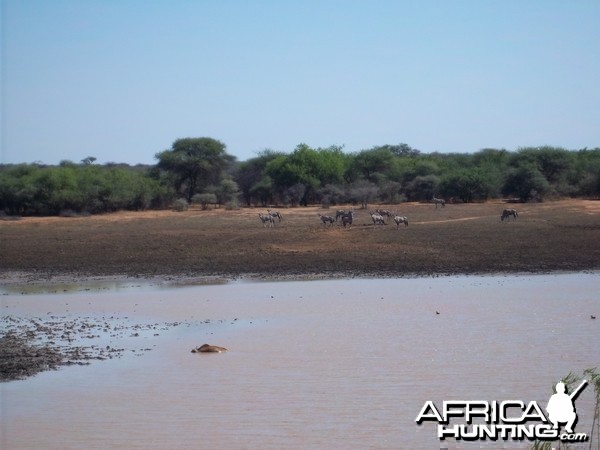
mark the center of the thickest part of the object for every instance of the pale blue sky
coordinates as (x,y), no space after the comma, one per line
(122,79)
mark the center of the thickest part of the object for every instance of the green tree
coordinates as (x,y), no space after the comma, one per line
(527,183)
(295,194)
(283,174)
(586,173)
(363,192)
(227,191)
(466,184)
(553,163)
(194,164)
(331,194)
(250,174)
(204,199)
(402,150)
(60,189)
(88,160)
(310,167)
(369,163)
(422,188)
(16,190)
(50,190)
(390,191)
(262,191)
(405,170)
(494,165)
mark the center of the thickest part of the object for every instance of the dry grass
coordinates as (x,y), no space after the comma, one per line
(461,238)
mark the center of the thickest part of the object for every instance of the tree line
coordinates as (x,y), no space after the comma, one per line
(199,170)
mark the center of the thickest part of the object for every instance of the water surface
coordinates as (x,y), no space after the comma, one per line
(313,365)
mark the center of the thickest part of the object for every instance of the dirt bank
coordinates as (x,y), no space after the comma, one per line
(460,238)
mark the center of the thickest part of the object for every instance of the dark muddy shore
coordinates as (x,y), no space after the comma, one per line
(31,345)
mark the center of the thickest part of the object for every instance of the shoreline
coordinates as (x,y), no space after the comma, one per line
(22,283)
(11,281)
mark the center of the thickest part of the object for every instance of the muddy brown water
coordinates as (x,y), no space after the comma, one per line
(313,364)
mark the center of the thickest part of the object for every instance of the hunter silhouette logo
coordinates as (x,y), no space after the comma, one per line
(560,406)
(508,419)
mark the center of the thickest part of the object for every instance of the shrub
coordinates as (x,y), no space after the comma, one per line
(180,205)
(232,205)
(204,199)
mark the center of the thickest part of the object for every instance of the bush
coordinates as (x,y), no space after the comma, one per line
(527,183)
(204,199)
(180,205)
(232,205)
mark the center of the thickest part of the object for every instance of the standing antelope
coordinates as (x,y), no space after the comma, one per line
(507,213)
(377,219)
(266,218)
(399,220)
(347,218)
(274,214)
(437,201)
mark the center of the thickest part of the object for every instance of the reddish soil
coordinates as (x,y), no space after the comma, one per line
(460,238)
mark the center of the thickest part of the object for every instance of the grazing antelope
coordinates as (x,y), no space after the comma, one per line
(326,219)
(439,201)
(399,220)
(266,218)
(377,219)
(205,348)
(274,214)
(507,213)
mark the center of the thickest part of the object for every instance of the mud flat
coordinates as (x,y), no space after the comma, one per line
(162,245)
(29,345)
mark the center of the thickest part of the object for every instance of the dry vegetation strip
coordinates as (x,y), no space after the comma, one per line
(461,238)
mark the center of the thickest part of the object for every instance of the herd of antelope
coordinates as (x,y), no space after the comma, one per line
(378,216)
(268,219)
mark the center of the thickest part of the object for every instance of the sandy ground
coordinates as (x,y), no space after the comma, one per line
(460,238)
